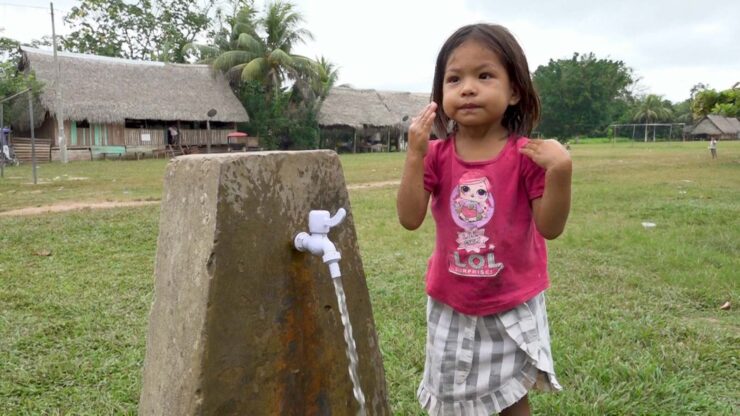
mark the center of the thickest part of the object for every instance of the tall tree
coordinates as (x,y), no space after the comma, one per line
(224,37)
(581,95)
(682,112)
(725,103)
(650,109)
(143,29)
(224,31)
(12,81)
(267,59)
(311,87)
(281,90)
(327,75)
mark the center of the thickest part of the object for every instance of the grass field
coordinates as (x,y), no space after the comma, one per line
(635,313)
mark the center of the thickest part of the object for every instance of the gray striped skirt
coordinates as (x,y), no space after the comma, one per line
(480,365)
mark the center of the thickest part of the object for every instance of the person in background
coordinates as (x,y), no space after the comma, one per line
(172,136)
(713,147)
(495,197)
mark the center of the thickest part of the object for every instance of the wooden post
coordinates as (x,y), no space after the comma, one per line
(208,129)
(33,135)
(58,87)
(354,146)
(614,134)
(646,134)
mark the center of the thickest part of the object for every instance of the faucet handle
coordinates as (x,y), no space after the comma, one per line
(337,218)
(319,221)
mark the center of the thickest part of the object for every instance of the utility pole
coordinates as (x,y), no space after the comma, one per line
(33,135)
(59,112)
(211,113)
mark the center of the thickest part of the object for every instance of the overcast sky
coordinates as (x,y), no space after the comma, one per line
(392,44)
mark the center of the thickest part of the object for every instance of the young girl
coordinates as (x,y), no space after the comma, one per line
(494,195)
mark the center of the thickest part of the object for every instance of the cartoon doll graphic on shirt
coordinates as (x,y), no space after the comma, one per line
(471,206)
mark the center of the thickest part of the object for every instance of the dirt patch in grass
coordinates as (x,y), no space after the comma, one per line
(373,184)
(706,323)
(71,206)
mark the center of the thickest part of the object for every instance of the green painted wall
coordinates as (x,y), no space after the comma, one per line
(73,134)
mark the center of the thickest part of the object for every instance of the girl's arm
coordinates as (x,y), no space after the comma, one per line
(412,199)
(551,210)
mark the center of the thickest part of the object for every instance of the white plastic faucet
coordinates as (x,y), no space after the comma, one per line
(317,242)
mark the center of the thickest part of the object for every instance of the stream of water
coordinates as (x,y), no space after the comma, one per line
(351,347)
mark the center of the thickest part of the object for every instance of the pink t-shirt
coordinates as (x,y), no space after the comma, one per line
(488,256)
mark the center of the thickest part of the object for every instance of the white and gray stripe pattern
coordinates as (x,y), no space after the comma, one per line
(479,365)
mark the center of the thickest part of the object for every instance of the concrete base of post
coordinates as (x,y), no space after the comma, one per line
(242,323)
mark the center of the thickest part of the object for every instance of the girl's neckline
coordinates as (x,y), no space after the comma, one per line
(509,141)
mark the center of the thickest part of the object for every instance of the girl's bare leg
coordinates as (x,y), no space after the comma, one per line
(520,408)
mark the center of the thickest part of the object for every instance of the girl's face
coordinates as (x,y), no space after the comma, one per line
(475,191)
(476,90)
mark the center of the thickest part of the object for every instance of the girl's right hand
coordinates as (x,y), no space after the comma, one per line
(421,128)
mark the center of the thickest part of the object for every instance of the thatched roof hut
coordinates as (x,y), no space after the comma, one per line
(370,112)
(360,108)
(110,90)
(355,108)
(717,126)
(404,105)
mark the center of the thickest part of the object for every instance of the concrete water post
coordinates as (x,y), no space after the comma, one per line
(242,323)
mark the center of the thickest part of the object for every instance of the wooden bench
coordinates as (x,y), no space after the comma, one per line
(104,151)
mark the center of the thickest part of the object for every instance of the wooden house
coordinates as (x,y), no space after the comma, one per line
(127,103)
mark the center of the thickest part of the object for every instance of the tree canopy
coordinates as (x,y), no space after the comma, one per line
(650,109)
(282,91)
(11,81)
(267,58)
(143,29)
(581,95)
(709,101)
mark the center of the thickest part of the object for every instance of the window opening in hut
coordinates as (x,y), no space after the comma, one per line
(134,124)
(80,133)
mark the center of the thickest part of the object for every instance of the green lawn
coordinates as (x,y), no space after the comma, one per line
(635,313)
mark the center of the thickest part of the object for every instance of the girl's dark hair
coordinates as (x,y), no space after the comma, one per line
(520,118)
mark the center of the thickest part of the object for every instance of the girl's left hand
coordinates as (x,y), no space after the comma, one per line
(547,154)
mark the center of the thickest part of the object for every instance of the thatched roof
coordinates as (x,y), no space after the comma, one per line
(714,124)
(356,108)
(110,90)
(727,125)
(404,104)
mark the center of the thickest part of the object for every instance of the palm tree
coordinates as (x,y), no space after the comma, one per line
(652,108)
(313,86)
(269,58)
(326,76)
